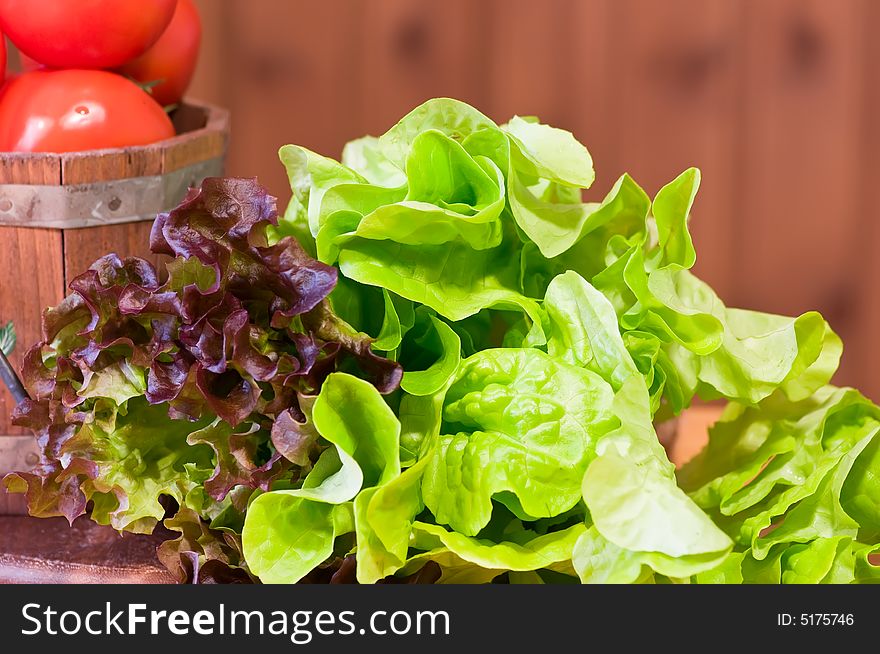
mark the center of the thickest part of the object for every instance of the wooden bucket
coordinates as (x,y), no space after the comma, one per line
(60,212)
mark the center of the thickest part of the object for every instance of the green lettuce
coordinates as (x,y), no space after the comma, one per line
(287,533)
(789,481)
(516,423)
(541,338)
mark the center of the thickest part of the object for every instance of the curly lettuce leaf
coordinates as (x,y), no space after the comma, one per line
(384,515)
(629,488)
(553,218)
(453,279)
(384,518)
(123,464)
(350,413)
(550,551)
(584,329)
(549,153)
(287,533)
(763,463)
(202,554)
(285,537)
(599,561)
(786,479)
(450,195)
(365,156)
(441,341)
(453,118)
(635,504)
(515,420)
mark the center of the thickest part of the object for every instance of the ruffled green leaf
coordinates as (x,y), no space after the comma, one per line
(441,341)
(365,156)
(546,551)
(453,118)
(285,537)
(584,329)
(384,518)
(549,153)
(518,421)
(351,413)
(139,457)
(453,279)
(635,503)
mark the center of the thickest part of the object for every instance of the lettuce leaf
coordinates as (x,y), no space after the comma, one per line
(786,479)
(515,420)
(287,533)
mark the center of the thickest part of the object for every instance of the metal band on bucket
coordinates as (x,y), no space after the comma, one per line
(128,200)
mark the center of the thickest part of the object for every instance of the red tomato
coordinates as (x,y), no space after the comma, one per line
(2,56)
(84,33)
(172,58)
(72,110)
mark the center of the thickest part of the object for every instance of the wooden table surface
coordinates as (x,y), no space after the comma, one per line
(48,550)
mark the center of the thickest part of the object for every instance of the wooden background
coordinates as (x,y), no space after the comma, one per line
(775,100)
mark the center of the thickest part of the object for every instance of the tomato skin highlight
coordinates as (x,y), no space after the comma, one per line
(74,110)
(84,33)
(172,58)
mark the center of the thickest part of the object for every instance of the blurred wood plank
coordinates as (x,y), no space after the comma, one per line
(589,87)
(692,432)
(210,81)
(420,50)
(529,57)
(88,167)
(293,68)
(25,290)
(798,204)
(674,87)
(863,351)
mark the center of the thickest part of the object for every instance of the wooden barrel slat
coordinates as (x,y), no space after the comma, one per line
(182,153)
(109,165)
(30,168)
